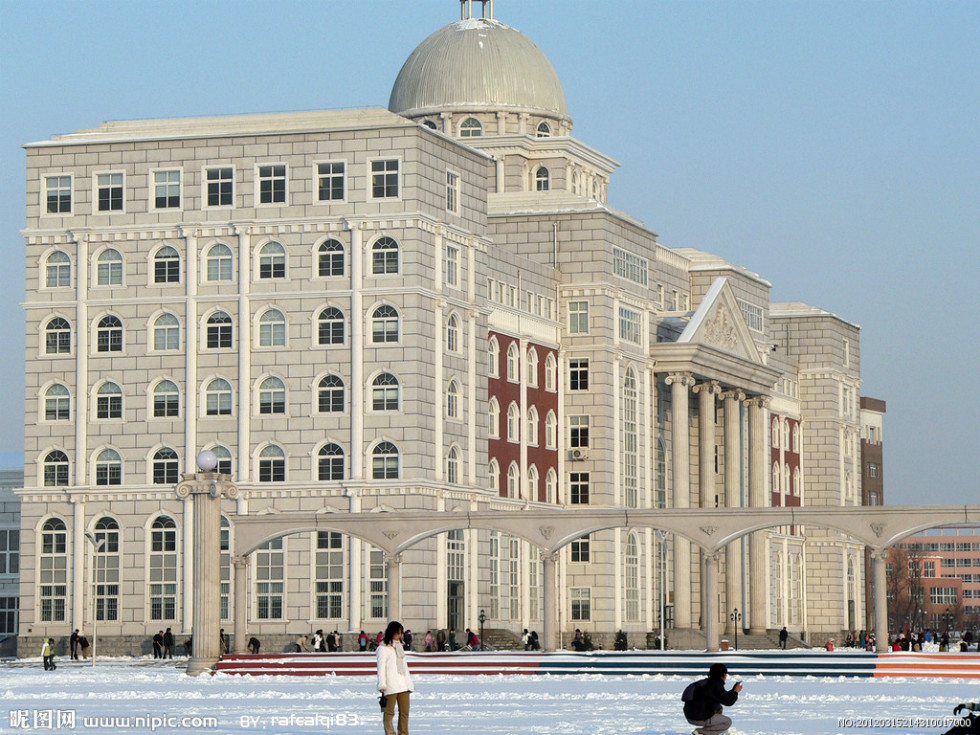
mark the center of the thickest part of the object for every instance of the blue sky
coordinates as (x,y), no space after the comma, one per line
(831,147)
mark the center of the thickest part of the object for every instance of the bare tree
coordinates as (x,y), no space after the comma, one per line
(906,594)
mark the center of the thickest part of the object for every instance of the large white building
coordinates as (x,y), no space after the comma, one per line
(430,306)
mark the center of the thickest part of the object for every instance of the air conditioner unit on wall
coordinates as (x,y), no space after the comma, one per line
(578,454)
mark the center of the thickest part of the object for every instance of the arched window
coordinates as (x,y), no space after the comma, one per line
(384,393)
(775,432)
(224,459)
(109,268)
(513,363)
(108,401)
(166,265)
(272,464)
(272,396)
(795,489)
(470,128)
(272,329)
(775,477)
(166,333)
(513,423)
(493,476)
(330,394)
(551,487)
(163,569)
(57,337)
(108,468)
(543,130)
(452,333)
(218,398)
(452,466)
(56,469)
(452,400)
(796,438)
(384,461)
(53,574)
(551,373)
(429,124)
(631,579)
(220,263)
(532,426)
(330,462)
(532,483)
(786,445)
(330,259)
(166,399)
(384,257)
(513,481)
(58,270)
(551,431)
(105,569)
(166,467)
(109,334)
(542,179)
(330,326)
(272,261)
(532,368)
(494,419)
(219,331)
(493,358)
(384,325)
(57,403)
(786,489)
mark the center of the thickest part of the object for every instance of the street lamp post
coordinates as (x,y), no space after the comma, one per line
(736,617)
(483,619)
(97,545)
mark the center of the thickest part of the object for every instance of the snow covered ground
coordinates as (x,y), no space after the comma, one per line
(87,699)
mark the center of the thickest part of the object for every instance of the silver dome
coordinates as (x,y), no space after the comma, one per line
(477,64)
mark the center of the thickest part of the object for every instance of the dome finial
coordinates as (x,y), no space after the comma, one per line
(466,8)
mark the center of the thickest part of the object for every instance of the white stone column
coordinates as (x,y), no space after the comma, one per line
(680,383)
(733,499)
(78,563)
(354,576)
(244,357)
(240,566)
(706,393)
(879,558)
(190,354)
(187,566)
(550,617)
(393,564)
(82,331)
(356,322)
(709,606)
(758,473)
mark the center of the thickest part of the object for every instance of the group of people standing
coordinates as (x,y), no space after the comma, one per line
(320,643)
(163,644)
(77,644)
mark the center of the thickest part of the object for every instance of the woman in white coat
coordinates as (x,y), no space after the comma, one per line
(394,681)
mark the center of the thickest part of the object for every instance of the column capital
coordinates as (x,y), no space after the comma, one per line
(395,559)
(880,554)
(205,483)
(239,561)
(758,401)
(550,556)
(685,379)
(712,387)
(734,394)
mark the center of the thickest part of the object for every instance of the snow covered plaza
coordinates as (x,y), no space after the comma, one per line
(444,705)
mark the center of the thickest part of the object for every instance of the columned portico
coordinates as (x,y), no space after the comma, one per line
(758,474)
(679,384)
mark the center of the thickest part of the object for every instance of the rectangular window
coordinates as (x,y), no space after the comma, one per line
(110,192)
(578,374)
(384,179)
(221,186)
(166,189)
(630,326)
(329,575)
(515,579)
(8,615)
(579,488)
(452,192)
(272,184)
(581,549)
(269,580)
(578,431)
(494,578)
(754,316)
(330,182)
(631,267)
(930,569)
(578,317)
(846,353)
(378,579)
(581,599)
(943,596)
(452,266)
(10,551)
(57,196)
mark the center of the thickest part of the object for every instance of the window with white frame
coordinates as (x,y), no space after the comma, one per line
(329,575)
(270,575)
(166,399)
(53,572)
(57,270)
(754,315)
(162,589)
(166,467)
(581,548)
(532,368)
(493,415)
(943,596)
(551,487)
(57,194)
(513,363)
(55,469)
(513,481)
(513,423)
(452,466)
(330,394)
(384,257)
(630,326)
(220,186)
(543,130)
(166,189)
(630,441)
(629,266)
(452,400)
(384,325)
(272,183)
(225,568)
(452,192)
(166,265)
(493,358)
(218,398)
(452,265)
(581,602)
(578,431)
(532,426)
(578,374)
(578,317)
(493,476)
(551,373)
(224,459)
(378,582)
(385,179)
(532,483)
(385,391)
(494,575)
(578,485)
(106,569)
(272,396)
(331,181)
(542,179)
(57,403)
(330,326)
(514,577)
(166,333)
(452,333)
(109,192)
(470,128)
(272,464)
(551,431)
(219,332)
(10,551)
(57,337)
(272,261)
(384,461)
(109,268)
(272,329)
(330,463)
(330,259)
(108,468)
(220,263)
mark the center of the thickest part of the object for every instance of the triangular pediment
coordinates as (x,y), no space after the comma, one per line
(718,323)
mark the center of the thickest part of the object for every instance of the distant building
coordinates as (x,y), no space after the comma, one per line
(9,559)
(872,477)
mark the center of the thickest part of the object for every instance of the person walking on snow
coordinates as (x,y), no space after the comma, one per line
(394,679)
